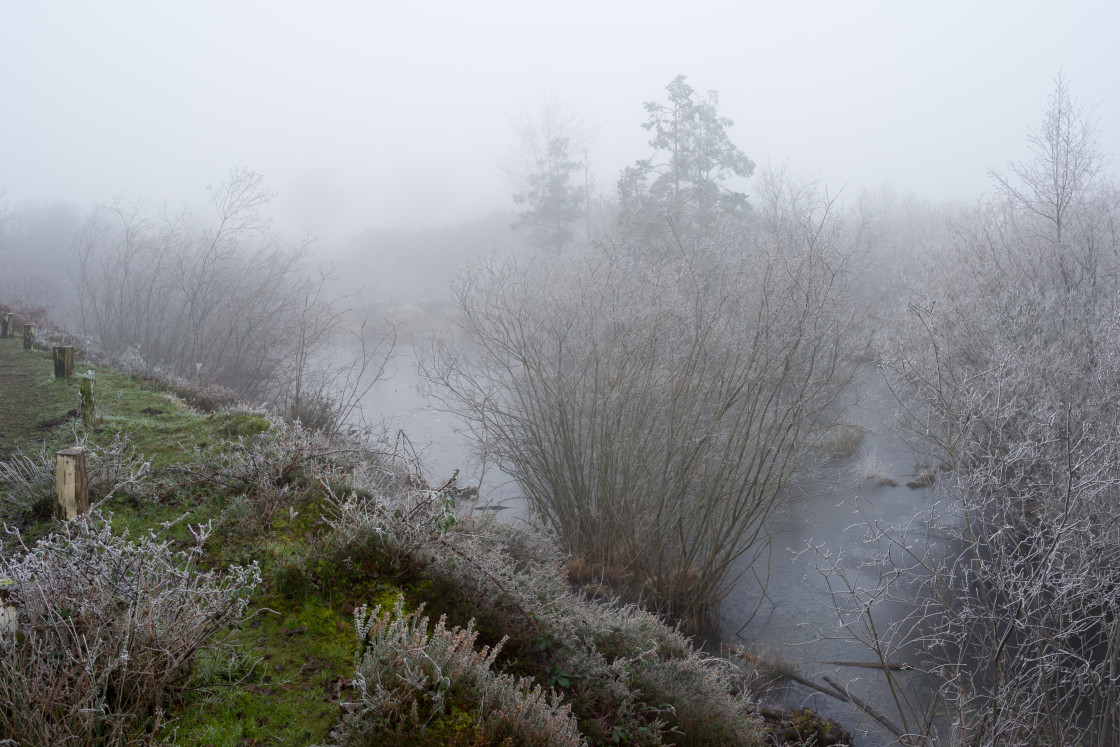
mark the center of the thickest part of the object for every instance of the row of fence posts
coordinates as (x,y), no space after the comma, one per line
(7,329)
(63,354)
(71,482)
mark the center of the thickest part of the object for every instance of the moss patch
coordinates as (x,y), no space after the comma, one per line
(301,653)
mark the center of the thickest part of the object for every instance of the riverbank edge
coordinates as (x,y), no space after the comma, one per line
(172,431)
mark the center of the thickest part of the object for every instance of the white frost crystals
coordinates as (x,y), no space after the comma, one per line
(1010,377)
(104,626)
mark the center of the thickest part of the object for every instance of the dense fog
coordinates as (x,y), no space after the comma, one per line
(655,264)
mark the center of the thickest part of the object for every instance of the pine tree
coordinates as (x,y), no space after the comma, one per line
(684,181)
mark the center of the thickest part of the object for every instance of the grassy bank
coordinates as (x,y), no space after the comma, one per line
(343,533)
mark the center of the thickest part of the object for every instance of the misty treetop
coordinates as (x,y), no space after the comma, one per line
(553,205)
(684,181)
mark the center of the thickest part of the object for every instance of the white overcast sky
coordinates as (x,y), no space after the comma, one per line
(378,114)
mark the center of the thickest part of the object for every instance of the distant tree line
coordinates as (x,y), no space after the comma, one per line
(219,298)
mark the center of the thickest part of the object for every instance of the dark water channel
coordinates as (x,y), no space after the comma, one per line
(439,438)
(792,619)
(786,620)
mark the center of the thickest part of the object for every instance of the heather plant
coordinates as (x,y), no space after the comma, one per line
(272,457)
(287,469)
(106,627)
(609,657)
(27,484)
(265,474)
(415,682)
(627,675)
(117,466)
(393,527)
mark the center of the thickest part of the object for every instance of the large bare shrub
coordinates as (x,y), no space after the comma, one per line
(203,298)
(651,405)
(1026,286)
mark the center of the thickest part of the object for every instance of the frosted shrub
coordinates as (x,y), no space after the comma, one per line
(399,525)
(1009,376)
(1016,617)
(261,468)
(411,679)
(623,659)
(274,455)
(27,484)
(117,466)
(131,361)
(202,395)
(106,627)
(48,337)
(652,404)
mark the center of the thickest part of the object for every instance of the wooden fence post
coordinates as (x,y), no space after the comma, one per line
(85,389)
(63,362)
(71,484)
(28,336)
(6,324)
(9,622)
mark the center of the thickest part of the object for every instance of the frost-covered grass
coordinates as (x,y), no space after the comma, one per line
(843,441)
(105,628)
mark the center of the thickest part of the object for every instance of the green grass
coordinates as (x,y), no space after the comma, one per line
(30,397)
(301,655)
(279,678)
(162,427)
(34,406)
